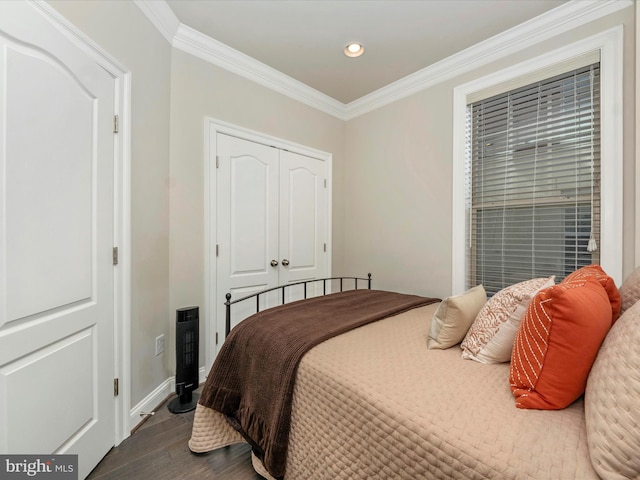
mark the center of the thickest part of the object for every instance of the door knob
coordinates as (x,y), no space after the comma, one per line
(285,262)
(274,263)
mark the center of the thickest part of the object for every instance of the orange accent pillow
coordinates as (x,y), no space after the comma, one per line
(605,280)
(557,343)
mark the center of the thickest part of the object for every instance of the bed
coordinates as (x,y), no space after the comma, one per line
(374,402)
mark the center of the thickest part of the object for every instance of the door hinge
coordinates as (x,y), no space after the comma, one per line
(115,255)
(325,183)
(217,161)
(217,249)
(116,123)
(216,338)
(116,388)
(325,247)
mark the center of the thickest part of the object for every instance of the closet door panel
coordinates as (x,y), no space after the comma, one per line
(302,220)
(247,226)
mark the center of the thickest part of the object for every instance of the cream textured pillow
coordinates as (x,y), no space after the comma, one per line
(490,338)
(630,290)
(611,401)
(454,316)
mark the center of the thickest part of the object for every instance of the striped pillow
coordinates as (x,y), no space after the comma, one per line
(557,343)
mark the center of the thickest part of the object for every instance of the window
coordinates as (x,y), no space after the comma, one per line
(533,180)
(606,48)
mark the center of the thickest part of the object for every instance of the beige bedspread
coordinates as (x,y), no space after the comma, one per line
(253,377)
(374,403)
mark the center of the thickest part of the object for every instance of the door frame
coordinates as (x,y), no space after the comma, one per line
(212,127)
(122,210)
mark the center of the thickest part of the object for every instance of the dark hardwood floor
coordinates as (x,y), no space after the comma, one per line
(158,450)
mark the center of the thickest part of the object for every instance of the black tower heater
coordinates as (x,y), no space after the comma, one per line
(187,341)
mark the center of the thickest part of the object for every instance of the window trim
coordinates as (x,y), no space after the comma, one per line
(610,44)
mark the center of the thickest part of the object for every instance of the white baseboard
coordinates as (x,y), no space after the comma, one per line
(152,401)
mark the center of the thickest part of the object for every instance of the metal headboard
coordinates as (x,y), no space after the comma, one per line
(324,281)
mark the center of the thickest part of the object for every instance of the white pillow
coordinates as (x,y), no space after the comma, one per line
(491,336)
(454,316)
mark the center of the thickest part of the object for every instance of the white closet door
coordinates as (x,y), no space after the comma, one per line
(302,222)
(56,239)
(247,229)
(271,223)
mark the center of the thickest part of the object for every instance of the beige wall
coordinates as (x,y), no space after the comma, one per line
(200,90)
(399,177)
(124,32)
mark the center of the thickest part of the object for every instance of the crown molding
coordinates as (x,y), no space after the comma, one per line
(561,19)
(554,22)
(206,48)
(162,17)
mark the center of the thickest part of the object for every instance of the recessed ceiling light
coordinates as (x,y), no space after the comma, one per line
(353,50)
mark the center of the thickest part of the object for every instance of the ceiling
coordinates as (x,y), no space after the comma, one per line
(304,39)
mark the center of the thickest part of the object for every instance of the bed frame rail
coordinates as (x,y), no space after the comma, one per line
(324,281)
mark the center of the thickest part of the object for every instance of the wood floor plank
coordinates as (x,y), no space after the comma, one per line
(158,450)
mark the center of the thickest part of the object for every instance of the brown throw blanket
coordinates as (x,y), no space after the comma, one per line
(252,378)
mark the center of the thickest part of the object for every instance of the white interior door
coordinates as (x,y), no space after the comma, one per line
(56,238)
(302,239)
(271,223)
(247,187)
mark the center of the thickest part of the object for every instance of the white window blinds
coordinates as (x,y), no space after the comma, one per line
(533,180)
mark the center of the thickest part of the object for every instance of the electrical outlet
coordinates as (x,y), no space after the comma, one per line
(159,344)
